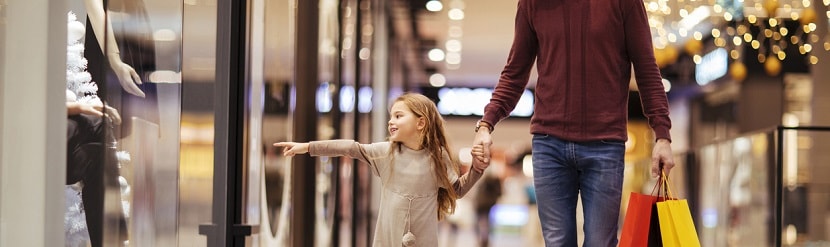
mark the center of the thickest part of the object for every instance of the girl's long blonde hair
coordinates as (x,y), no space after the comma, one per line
(434,140)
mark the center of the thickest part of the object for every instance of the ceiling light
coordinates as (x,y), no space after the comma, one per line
(164,35)
(437,80)
(436,55)
(453,58)
(434,6)
(456,14)
(453,45)
(455,31)
(166,76)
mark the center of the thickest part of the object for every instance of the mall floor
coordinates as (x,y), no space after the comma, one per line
(467,237)
(515,223)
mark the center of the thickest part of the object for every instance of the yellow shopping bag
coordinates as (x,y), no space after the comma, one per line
(676,225)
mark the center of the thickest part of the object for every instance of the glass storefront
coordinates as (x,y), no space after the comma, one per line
(3,6)
(741,170)
(273,72)
(196,170)
(132,52)
(195,92)
(763,189)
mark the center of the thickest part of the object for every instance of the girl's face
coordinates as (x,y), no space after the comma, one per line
(405,126)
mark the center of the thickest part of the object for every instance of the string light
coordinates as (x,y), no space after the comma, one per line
(453,45)
(731,23)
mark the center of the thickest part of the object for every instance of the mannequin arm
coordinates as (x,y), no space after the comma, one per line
(94,109)
(127,76)
(75,108)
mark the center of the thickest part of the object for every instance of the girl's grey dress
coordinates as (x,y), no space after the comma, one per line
(409,192)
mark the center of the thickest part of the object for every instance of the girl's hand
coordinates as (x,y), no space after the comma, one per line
(292,148)
(479,156)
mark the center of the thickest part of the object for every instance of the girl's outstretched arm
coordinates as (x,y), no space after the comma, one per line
(292,148)
(372,154)
(334,148)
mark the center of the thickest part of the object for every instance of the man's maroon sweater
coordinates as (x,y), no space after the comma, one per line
(584,50)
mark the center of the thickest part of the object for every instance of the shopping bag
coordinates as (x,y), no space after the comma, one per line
(677,228)
(654,237)
(641,226)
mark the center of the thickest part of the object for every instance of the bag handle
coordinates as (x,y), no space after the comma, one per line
(660,184)
(669,193)
(657,186)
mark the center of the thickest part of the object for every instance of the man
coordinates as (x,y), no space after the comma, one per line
(585,50)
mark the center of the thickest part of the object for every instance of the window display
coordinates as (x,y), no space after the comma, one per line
(123,134)
(92,163)
(740,213)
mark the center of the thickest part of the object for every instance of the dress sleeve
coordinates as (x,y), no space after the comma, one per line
(461,185)
(372,154)
(466,182)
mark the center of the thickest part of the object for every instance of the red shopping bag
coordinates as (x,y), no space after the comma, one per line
(641,225)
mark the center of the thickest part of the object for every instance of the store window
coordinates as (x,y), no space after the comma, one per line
(2,61)
(272,72)
(122,183)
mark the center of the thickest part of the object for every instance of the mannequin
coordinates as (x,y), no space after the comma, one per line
(122,59)
(92,162)
(120,54)
(127,76)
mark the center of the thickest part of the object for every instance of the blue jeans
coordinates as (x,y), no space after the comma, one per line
(562,170)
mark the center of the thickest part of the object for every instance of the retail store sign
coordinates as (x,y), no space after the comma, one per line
(471,102)
(712,67)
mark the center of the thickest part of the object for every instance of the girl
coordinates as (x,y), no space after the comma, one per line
(417,172)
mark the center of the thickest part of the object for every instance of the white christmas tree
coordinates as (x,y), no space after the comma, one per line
(79,84)
(80,88)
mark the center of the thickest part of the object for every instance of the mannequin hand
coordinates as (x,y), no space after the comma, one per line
(94,109)
(478,153)
(112,113)
(661,155)
(127,76)
(292,148)
(75,108)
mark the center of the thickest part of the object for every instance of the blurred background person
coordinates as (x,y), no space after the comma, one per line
(488,193)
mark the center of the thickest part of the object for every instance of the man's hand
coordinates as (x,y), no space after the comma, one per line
(292,148)
(484,140)
(661,155)
(478,153)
